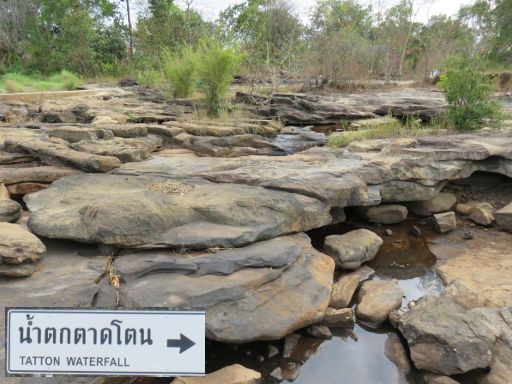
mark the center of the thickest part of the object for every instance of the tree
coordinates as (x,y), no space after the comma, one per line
(490,22)
(165,25)
(340,39)
(265,29)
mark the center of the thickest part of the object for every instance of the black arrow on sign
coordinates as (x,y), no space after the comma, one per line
(183,343)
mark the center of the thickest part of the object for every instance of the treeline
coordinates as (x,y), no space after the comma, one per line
(342,40)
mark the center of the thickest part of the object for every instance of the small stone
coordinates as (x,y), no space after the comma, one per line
(276,374)
(272,351)
(415,231)
(445,222)
(319,332)
(482,214)
(388,232)
(352,249)
(468,235)
(338,317)
(291,371)
(260,359)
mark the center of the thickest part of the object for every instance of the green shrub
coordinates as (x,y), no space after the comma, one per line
(180,71)
(67,80)
(468,92)
(149,78)
(215,69)
(17,82)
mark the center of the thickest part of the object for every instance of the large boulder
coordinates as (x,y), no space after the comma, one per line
(343,290)
(377,299)
(233,374)
(446,338)
(129,211)
(352,249)
(260,292)
(504,218)
(443,202)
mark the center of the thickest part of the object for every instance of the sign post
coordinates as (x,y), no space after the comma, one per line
(75,341)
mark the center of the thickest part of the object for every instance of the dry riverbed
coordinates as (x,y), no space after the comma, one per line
(386,261)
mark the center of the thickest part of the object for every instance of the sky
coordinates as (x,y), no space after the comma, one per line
(211,8)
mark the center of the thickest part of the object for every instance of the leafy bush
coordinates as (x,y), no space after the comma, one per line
(468,91)
(149,78)
(216,68)
(180,71)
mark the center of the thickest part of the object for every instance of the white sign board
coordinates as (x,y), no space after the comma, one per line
(105,342)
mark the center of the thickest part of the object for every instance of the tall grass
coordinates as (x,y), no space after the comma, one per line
(17,82)
(411,127)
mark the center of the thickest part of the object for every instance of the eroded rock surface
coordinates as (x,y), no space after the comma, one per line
(263,291)
(131,211)
(483,264)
